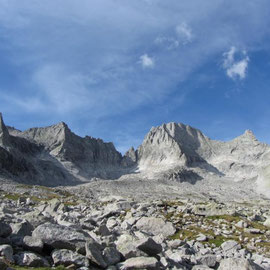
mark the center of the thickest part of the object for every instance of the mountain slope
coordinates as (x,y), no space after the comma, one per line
(54,156)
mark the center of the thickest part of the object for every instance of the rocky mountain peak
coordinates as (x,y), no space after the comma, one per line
(4,135)
(249,134)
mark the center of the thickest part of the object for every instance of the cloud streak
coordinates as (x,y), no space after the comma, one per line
(86,60)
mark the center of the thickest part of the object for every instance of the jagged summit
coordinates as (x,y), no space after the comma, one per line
(4,135)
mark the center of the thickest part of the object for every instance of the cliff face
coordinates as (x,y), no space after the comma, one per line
(172,146)
(56,156)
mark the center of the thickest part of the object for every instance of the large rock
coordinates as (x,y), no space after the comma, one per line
(126,245)
(94,253)
(230,246)
(149,246)
(111,255)
(6,251)
(140,263)
(22,228)
(32,243)
(30,259)
(238,264)
(5,230)
(61,237)
(155,226)
(67,257)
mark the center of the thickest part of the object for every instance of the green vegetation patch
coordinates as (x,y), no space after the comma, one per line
(228,218)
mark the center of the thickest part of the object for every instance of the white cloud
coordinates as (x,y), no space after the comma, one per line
(235,68)
(146,61)
(184,32)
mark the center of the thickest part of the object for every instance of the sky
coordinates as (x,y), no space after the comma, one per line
(112,69)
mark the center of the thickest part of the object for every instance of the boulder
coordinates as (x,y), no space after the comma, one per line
(126,245)
(5,229)
(208,260)
(61,237)
(67,257)
(22,228)
(139,263)
(238,264)
(230,246)
(94,253)
(32,243)
(149,246)
(155,226)
(111,255)
(6,251)
(30,259)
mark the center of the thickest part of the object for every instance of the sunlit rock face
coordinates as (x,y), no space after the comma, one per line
(172,152)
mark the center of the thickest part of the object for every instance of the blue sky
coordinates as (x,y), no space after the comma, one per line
(115,68)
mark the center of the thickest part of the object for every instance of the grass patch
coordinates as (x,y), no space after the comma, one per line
(227,218)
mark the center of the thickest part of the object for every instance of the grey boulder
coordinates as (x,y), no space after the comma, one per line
(6,251)
(30,259)
(61,237)
(32,243)
(67,257)
(149,246)
(5,229)
(155,226)
(94,253)
(239,264)
(139,263)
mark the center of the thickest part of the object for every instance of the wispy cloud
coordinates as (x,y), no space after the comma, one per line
(235,69)
(184,32)
(81,60)
(146,61)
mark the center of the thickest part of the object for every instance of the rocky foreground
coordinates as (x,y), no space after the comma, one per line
(46,227)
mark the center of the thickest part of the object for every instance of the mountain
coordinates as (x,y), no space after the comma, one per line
(175,145)
(54,156)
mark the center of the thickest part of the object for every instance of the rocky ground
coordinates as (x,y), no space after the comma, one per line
(54,227)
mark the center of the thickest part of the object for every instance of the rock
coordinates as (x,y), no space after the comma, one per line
(94,253)
(201,238)
(208,260)
(238,264)
(267,222)
(67,257)
(30,259)
(126,245)
(241,224)
(3,264)
(22,228)
(139,263)
(32,243)
(155,226)
(5,230)
(103,230)
(60,237)
(201,267)
(6,251)
(230,246)
(52,206)
(149,246)
(111,255)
